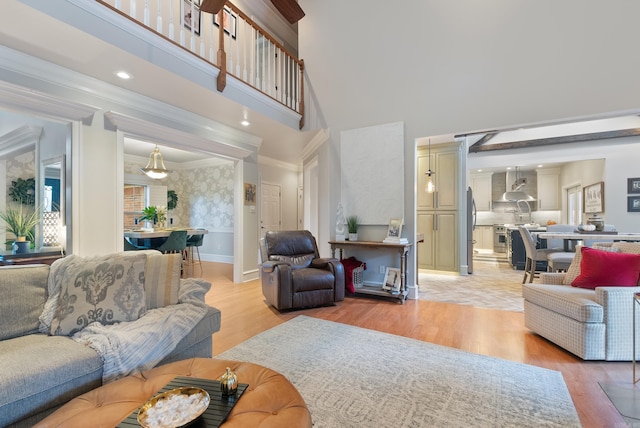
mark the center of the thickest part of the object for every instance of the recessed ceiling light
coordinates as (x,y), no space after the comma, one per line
(123,75)
(245,123)
(540,166)
(479,170)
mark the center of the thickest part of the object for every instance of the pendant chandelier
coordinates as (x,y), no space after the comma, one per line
(155,167)
(430,187)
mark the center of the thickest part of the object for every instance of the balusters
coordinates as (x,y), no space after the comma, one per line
(172,34)
(244,61)
(145,14)
(159,28)
(212,57)
(132,9)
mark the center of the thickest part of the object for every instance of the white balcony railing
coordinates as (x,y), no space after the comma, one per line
(240,47)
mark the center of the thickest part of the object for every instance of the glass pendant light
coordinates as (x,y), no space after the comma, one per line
(155,167)
(430,187)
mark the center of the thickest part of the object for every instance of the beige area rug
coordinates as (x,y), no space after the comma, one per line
(493,285)
(352,377)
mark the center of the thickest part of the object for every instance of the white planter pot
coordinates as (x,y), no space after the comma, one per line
(353,237)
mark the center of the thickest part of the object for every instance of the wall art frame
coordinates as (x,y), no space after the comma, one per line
(633,185)
(230,22)
(633,204)
(249,194)
(185,13)
(593,198)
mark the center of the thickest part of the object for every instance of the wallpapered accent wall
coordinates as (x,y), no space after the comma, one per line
(205,195)
(20,166)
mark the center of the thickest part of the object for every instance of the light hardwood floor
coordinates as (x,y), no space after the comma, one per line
(489,332)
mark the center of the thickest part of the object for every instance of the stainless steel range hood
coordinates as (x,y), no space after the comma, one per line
(516,194)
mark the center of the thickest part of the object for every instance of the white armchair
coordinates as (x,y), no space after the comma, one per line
(592,324)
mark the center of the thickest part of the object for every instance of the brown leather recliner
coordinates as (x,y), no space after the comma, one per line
(293,274)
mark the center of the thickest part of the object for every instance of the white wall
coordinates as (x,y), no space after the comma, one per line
(448,67)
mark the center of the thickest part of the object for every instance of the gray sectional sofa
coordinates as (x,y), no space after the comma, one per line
(43,367)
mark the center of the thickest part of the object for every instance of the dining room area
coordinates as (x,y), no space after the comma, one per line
(188,208)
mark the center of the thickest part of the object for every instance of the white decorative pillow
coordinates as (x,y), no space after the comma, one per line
(162,279)
(105,289)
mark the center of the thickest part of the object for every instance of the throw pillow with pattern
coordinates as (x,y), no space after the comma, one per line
(107,290)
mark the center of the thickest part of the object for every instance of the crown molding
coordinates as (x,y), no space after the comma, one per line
(21,98)
(267,161)
(316,142)
(20,140)
(143,129)
(179,166)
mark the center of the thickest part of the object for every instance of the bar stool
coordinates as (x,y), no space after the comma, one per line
(176,243)
(533,254)
(194,241)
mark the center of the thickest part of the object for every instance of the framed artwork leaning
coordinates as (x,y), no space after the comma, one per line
(392,280)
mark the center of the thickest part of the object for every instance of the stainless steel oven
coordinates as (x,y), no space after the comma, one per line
(499,238)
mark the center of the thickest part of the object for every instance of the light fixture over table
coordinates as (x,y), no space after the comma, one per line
(155,167)
(430,187)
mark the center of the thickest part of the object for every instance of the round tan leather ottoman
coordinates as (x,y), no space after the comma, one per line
(269,401)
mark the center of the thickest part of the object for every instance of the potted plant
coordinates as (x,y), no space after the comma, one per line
(150,215)
(352,226)
(21,222)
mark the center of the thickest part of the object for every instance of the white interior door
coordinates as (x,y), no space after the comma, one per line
(270,213)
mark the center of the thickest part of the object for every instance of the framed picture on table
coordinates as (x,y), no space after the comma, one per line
(593,198)
(395,228)
(392,280)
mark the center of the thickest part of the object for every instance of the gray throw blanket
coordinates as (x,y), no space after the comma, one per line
(129,347)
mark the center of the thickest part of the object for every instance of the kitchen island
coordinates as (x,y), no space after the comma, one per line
(516,253)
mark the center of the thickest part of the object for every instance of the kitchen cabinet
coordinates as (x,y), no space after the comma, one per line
(483,237)
(444,164)
(439,251)
(549,189)
(481,186)
(436,212)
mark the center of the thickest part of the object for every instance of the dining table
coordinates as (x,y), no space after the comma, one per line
(155,238)
(570,239)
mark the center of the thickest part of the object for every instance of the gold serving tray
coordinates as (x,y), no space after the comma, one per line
(188,391)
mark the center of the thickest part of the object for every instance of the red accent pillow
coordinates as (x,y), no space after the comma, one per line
(602,268)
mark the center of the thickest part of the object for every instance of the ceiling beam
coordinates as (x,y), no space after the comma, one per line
(481,141)
(604,135)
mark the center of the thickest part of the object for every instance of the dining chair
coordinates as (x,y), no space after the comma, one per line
(176,242)
(130,246)
(534,254)
(559,261)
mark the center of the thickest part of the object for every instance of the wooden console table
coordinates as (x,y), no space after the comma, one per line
(7,258)
(376,289)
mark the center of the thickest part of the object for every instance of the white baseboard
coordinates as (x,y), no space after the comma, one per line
(217,258)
